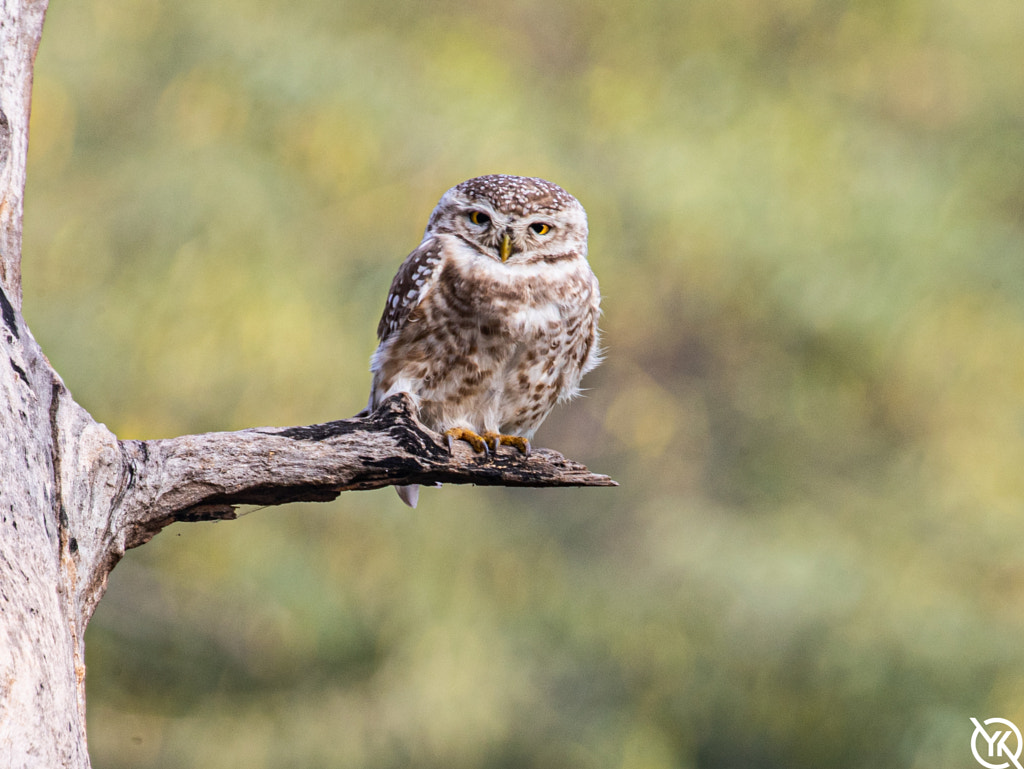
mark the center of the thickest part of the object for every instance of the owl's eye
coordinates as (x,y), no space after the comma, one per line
(540,228)
(479,217)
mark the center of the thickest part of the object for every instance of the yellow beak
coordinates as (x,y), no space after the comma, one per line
(506,247)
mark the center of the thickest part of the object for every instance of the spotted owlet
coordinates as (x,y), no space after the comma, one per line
(493,318)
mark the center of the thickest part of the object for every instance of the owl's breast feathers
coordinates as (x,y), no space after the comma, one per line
(475,340)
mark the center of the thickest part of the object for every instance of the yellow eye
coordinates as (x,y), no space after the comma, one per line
(479,217)
(540,228)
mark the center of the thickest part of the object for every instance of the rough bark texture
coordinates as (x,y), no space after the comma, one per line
(73,497)
(21,26)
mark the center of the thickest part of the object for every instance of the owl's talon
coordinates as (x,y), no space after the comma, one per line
(491,440)
(463,434)
(519,442)
(497,439)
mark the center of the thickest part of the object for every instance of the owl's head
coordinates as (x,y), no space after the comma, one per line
(513,219)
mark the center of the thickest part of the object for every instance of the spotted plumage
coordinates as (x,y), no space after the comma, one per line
(493,318)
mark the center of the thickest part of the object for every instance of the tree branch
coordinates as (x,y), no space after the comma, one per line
(204,477)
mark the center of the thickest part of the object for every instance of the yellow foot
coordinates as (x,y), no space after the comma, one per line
(463,434)
(495,439)
(487,442)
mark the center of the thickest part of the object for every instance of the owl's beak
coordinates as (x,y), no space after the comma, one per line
(506,247)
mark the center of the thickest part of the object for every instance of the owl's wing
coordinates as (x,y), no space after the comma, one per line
(408,287)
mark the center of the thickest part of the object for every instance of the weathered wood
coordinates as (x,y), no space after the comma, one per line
(202,477)
(21,27)
(42,710)
(73,498)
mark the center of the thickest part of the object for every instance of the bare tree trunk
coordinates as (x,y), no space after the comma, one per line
(73,497)
(42,709)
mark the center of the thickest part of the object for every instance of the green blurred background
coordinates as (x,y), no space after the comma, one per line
(808,220)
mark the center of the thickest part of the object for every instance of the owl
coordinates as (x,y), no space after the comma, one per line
(493,318)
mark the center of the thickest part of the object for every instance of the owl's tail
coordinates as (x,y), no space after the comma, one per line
(409,494)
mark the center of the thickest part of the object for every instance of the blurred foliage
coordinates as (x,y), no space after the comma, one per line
(808,220)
